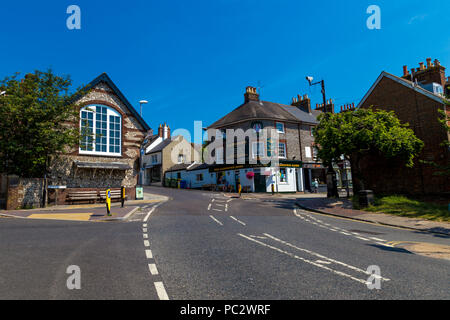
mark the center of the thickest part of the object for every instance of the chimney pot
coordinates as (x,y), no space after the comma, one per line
(429,64)
(422,67)
(405,71)
(437,63)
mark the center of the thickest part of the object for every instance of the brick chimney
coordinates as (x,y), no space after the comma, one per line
(302,102)
(348,107)
(329,107)
(427,74)
(160,131)
(251,94)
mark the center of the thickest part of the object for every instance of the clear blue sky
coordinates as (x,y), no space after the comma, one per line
(193,59)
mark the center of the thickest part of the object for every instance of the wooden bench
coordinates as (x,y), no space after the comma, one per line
(83,196)
(115,195)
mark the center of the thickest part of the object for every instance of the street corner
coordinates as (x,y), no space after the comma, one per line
(94,214)
(431,250)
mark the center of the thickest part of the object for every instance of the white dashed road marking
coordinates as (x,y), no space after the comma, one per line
(237,220)
(161,291)
(212,217)
(149,254)
(153,269)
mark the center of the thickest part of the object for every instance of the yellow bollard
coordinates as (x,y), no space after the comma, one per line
(108,202)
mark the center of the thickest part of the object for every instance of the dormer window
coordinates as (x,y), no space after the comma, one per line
(101,131)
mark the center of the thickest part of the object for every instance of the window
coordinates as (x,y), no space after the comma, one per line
(101,129)
(282,150)
(283,175)
(180,158)
(257,149)
(280,127)
(308,152)
(311,131)
(199,177)
(155,158)
(315,153)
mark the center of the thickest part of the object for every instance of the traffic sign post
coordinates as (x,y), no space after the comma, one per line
(108,202)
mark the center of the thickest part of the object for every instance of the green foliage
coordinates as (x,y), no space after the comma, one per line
(355,134)
(35,115)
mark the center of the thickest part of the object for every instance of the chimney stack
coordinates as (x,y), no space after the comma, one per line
(329,107)
(431,73)
(251,94)
(160,131)
(303,103)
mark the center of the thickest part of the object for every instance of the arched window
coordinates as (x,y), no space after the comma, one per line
(101,131)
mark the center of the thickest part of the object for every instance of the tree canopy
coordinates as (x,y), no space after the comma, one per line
(355,134)
(35,112)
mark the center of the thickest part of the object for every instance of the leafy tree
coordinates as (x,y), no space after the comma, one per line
(36,113)
(357,134)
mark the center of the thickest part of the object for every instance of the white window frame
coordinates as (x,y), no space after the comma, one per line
(182,158)
(308,152)
(154,158)
(285,150)
(276,127)
(109,112)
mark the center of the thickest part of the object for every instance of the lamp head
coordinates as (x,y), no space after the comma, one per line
(143,102)
(310,79)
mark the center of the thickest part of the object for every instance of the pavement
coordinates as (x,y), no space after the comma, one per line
(85,212)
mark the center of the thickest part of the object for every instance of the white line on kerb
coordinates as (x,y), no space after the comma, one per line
(146,243)
(209,207)
(153,269)
(237,220)
(216,220)
(149,254)
(162,294)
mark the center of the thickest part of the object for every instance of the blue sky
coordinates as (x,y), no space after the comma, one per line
(193,59)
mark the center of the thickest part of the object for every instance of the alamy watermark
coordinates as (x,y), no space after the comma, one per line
(74,280)
(73,22)
(374,281)
(374,20)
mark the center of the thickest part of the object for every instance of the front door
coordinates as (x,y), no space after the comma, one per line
(260,183)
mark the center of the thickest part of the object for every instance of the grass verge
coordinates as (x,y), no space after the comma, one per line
(408,207)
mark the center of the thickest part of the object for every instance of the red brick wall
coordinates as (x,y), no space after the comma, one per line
(421,112)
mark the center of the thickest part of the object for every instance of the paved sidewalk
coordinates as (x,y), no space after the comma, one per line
(93,214)
(343,208)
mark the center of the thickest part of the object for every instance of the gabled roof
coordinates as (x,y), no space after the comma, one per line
(404,82)
(105,78)
(256,110)
(160,146)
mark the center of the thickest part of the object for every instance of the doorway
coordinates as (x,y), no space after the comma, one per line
(260,183)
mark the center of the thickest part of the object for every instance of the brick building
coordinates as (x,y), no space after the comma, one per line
(415,98)
(109,156)
(295,150)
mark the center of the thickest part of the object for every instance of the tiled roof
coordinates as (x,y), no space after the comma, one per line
(254,110)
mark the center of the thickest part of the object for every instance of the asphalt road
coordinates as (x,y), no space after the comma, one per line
(202,245)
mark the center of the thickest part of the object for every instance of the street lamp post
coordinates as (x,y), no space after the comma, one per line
(141,103)
(141,151)
(332,191)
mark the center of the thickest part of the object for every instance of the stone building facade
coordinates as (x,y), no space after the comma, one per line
(110,159)
(413,102)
